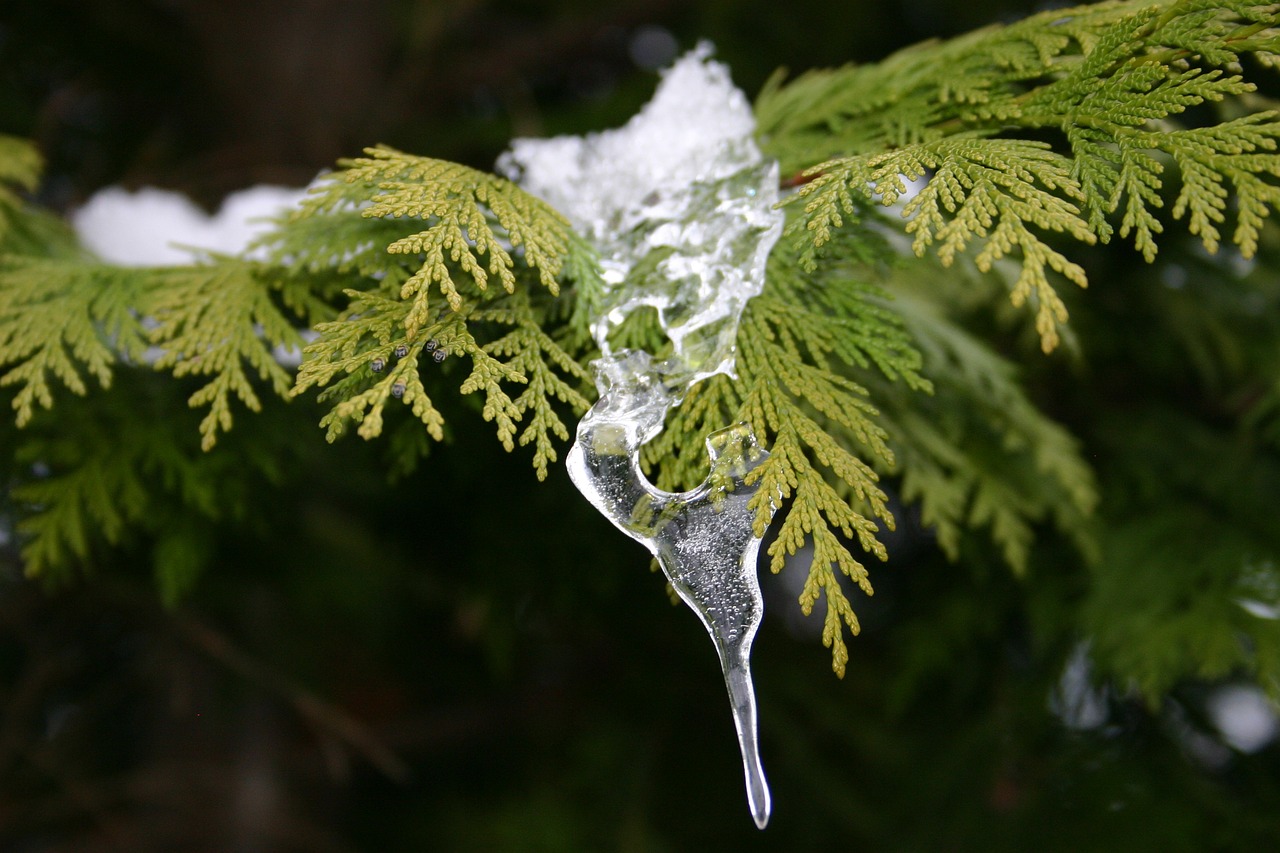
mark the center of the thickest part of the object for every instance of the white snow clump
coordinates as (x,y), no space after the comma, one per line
(154,227)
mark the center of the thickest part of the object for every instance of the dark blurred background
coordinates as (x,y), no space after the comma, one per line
(209,97)
(463,658)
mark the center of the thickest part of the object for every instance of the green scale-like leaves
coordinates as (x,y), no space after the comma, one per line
(88,474)
(219,321)
(458,202)
(1112,79)
(978,453)
(799,345)
(396,326)
(999,193)
(998,151)
(57,320)
(543,365)
(20,168)
(216,320)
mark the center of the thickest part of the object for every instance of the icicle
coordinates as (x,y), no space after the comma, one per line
(679,203)
(702,538)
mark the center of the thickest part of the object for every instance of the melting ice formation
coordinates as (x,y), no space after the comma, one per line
(679,203)
(702,538)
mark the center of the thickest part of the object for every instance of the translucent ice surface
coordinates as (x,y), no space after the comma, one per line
(702,538)
(680,205)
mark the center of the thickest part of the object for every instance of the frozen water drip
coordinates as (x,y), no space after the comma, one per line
(679,204)
(702,538)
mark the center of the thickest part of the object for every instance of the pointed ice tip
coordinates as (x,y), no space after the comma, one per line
(760,802)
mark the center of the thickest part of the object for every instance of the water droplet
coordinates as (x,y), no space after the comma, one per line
(397,390)
(377,364)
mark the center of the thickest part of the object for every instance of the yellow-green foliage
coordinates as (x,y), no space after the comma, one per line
(1024,141)
(800,344)
(20,168)
(457,203)
(1113,81)
(47,331)
(216,320)
(393,325)
(25,230)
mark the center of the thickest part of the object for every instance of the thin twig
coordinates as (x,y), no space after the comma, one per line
(323,715)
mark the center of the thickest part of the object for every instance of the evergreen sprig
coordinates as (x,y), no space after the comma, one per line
(119,469)
(369,332)
(20,169)
(1184,496)
(457,203)
(218,320)
(548,371)
(998,149)
(93,497)
(801,343)
(1114,81)
(59,320)
(996,193)
(978,453)
(394,326)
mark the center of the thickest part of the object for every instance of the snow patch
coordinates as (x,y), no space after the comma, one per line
(155,227)
(1244,716)
(680,204)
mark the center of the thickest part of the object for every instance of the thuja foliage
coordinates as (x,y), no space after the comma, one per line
(425,229)
(966,174)
(1066,123)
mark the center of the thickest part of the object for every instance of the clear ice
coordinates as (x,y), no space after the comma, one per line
(679,203)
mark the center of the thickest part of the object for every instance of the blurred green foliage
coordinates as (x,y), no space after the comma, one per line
(370,663)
